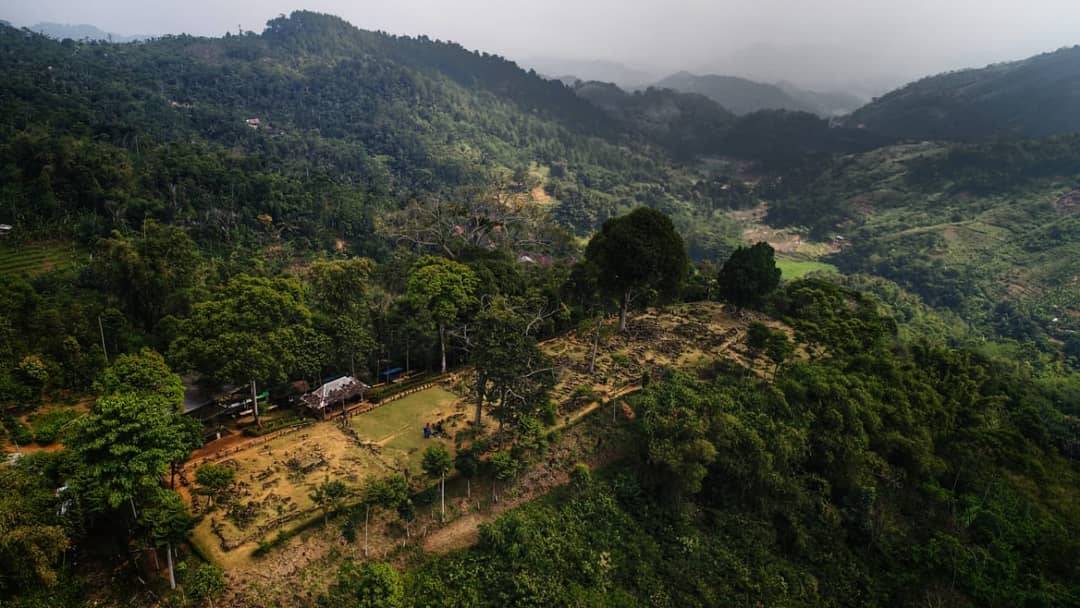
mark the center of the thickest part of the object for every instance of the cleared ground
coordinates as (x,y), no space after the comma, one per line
(676,336)
(274,479)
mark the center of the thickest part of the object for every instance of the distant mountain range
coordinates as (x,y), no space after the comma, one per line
(743,96)
(1035,97)
(80,32)
(571,70)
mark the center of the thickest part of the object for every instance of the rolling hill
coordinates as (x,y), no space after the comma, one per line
(687,124)
(81,31)
(743,96)
(314,123)
(1035,97)
(989,231)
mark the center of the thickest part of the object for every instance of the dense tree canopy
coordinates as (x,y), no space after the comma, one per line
(638,254)
(749,275)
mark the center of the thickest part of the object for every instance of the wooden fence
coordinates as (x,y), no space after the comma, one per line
(240,447)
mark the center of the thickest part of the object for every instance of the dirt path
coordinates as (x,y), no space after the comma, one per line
(540,195)
(464,531)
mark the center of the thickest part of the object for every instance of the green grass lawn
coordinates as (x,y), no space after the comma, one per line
(795,269)
(398,426)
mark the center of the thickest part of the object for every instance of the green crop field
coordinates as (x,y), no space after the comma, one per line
(794,269)
(29,259)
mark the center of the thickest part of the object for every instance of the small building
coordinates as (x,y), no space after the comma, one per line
(391,374)
(5,229)
(334,395)
(254,123)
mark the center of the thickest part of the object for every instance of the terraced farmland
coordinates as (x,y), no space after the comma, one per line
(28,259)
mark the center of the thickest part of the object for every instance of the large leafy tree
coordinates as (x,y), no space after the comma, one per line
(511,369)
(675,423)
(638,253)
(374,585)
(125,445)
(749,275)
(342,293)
(444,288)
(143,372)
(253,330)
(340,287)
(167,522)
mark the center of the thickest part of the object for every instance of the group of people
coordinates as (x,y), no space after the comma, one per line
(434,431)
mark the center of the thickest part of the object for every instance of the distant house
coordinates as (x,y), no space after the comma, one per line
(254,123)
(6,229)
(334,395)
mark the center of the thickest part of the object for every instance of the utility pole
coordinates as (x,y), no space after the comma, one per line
(101,330)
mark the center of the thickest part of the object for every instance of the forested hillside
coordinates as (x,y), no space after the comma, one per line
(313,123)
(1035,97)
(987,230)
(322,316)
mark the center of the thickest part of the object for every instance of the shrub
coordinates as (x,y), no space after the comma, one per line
(47,427)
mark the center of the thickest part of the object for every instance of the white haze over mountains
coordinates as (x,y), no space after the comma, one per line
(862,46)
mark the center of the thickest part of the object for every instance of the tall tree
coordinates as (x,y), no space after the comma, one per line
(340,287)
(638,253)
(437,464)
(125,445)
(749,275)
(143,372)
(467,465)
(167,522)
(443,287)
(582,290)
(385,493)
(509,365)
(328,496)
(253,330)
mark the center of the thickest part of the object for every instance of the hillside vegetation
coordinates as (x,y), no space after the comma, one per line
(738,95)
(1036,97)
(988,231)
(647,406)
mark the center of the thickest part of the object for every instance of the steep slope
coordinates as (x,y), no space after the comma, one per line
(990,231)
(1035,97)
(314,123)
(738,95)
(686,124)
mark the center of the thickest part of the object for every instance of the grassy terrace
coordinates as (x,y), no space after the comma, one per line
(795,269)
(28,259)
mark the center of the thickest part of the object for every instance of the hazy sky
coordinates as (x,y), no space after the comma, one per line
(873,42)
